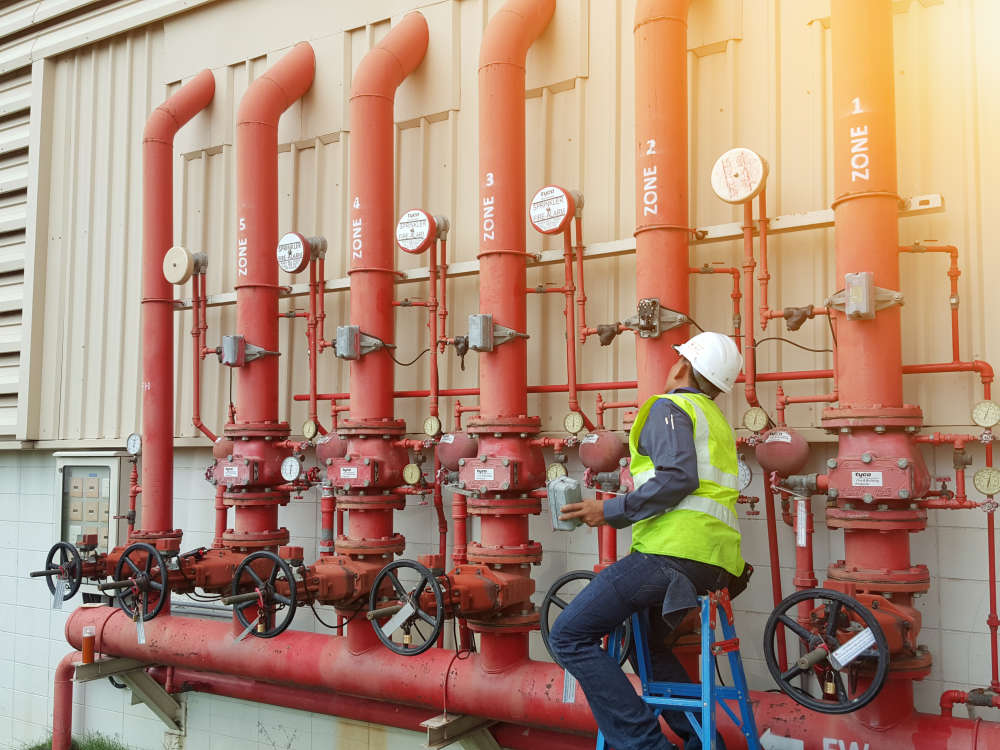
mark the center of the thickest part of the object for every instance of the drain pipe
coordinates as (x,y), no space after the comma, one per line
(661,204)
(157,309)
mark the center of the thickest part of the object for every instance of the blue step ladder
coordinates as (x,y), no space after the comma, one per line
(698,701)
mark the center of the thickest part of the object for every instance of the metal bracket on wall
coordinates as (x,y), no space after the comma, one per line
(651,319)
(485,335)
(144,688)
(861,299)
(352,344)
(236,351)
(470,732)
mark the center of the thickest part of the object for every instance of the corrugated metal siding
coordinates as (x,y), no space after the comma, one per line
(760,76)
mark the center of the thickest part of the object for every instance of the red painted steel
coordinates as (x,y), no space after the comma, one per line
(157,310)
(661,205)
(62,708)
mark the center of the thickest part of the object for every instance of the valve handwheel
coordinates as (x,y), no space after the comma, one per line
(141,566)
(558,597)
(402,609)
(67,567)
(843,638)
(275,609)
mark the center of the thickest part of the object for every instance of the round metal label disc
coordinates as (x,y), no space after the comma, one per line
(291,253)
(415,231)
(551,210)
(739,175)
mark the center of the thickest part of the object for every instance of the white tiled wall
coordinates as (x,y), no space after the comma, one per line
(32,640)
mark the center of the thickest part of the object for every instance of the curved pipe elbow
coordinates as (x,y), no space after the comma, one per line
(277,89)
(181,106)
(393,59)
(650,11)
(512,30)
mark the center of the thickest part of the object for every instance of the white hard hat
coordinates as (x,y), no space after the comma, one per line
(715,357)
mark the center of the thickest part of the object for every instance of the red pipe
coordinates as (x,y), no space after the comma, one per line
(749,346)
(953,273)
(775,563)
(197,334)
(157,309)
(62,709)
(661,231)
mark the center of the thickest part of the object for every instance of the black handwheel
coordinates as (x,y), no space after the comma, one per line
(402,610)
(837,621)
(62,564)
(558,597)
(142,567)
(267,577)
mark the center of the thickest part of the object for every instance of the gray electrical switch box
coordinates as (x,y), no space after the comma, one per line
(859,299)
(481,332)
(563,491)
(348,342)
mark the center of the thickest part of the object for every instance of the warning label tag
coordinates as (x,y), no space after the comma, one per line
(866,478)
(778,436)
(591,438)
(484,475)
(230,471)
(348,472)
(448,438)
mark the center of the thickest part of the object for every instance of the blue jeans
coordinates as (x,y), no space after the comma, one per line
(636,583)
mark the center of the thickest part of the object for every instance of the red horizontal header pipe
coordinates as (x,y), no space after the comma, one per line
(157,309)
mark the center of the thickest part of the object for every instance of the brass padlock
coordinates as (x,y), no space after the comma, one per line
(829,686)
(261,627)
(407,640)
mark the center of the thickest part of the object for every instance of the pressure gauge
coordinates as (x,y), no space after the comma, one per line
(739,175)
(987,481)
(178,265)
(552,209)
(415,231)
(432,427)
(573,422)
(755,419)
(986,414)
(291,468)
(309,429)
(412,474)
(293,253)
(134,444)
(555,471)
(744,475)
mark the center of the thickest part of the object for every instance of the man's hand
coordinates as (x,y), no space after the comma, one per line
(590,512)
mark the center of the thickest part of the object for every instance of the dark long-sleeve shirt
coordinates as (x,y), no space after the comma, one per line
(667,438)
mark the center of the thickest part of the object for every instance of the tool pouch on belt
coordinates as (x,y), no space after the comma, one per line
(738,585)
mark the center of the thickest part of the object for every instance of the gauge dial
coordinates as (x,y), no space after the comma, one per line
(309,429)
(755,419)
(412,474)
(134,444)
(987,481)
(744,474)
(555,471)
(291,468)
(986,414)
(573,422)
(432,427)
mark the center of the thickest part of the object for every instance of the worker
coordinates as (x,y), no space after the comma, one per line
(685,542)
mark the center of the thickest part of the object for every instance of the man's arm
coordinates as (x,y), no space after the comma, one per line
(668,439)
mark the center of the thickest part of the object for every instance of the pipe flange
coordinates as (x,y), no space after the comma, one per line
(254,499)
(509,506)
(870,519)
(393,545)
(153,537)
(371,502)
(915,579)
(504,425)
(349,427)
(247,540)
(257,429)
(530,553)
(506,623)
(907,415)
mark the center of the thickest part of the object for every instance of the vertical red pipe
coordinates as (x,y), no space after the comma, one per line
(661,204)
(157,311)
(62,710)
(257,225)
(749,347)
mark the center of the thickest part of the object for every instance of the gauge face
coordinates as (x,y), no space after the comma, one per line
(293,253)
(573,422)
(987,481)
(744,475)
(412,474)
(738,175)
(555,471)
(415,231)
(291,468)
(986,414)
(755,419)
(432,427)
(178,265)
(309,429)
(134,444)
(551,210)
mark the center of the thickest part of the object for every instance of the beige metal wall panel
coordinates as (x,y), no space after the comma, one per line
(760,76)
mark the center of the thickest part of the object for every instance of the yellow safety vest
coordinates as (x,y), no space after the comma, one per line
(703,526)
